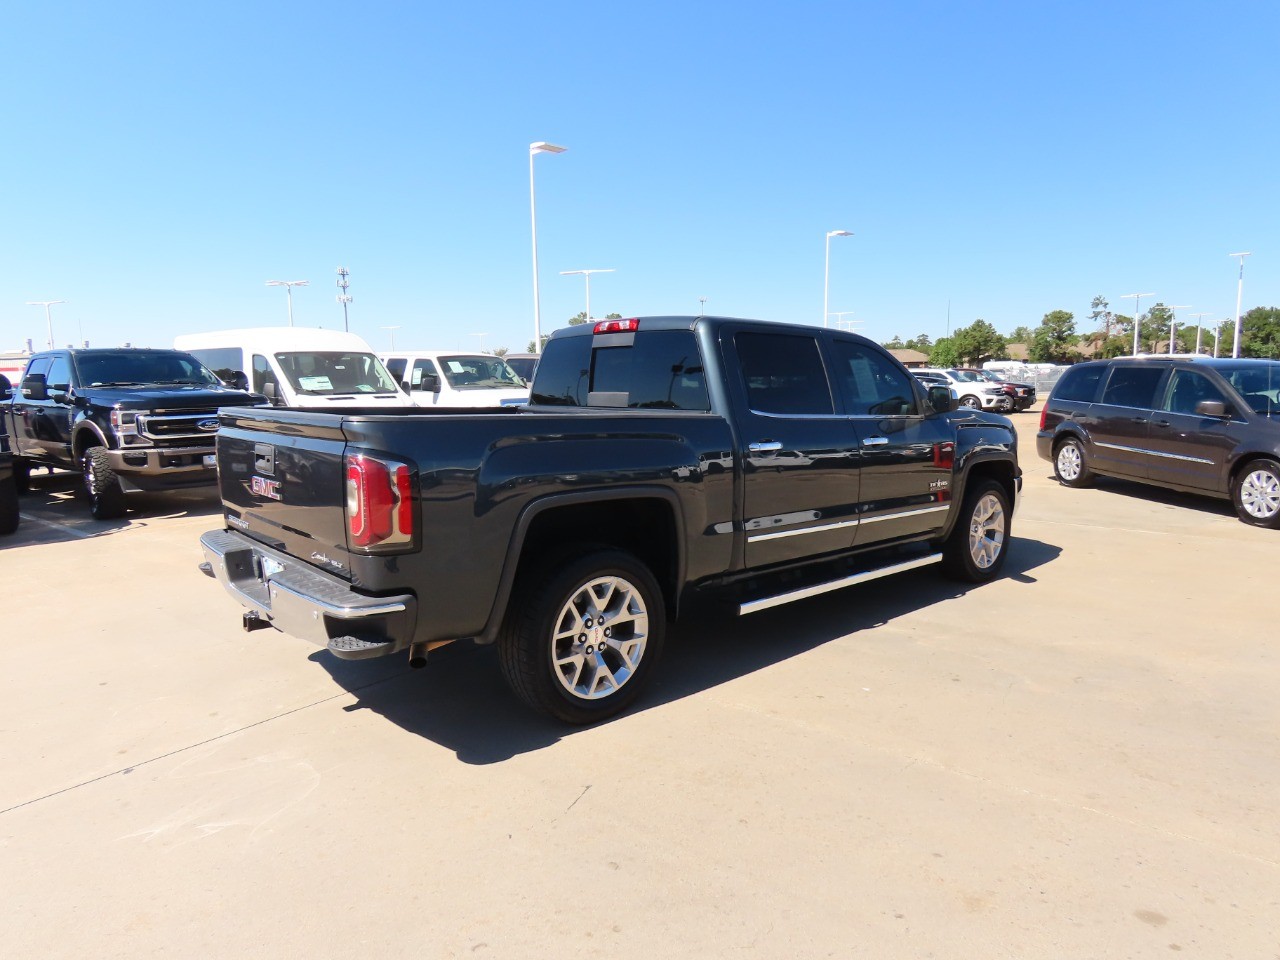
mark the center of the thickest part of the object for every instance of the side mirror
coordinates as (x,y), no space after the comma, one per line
(35,388)
(941,400)
(1211,408)
(269,391)
(404,385)
(430,382)
(238,380)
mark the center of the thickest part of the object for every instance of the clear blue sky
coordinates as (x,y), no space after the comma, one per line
(162,161)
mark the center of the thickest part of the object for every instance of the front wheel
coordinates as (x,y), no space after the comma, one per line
(580,641)
(1255,492)
(106,495)
(976,548)
(971,401)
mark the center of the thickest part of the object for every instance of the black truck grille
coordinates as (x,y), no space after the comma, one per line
(189,425)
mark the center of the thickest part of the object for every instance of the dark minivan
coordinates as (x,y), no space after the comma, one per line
(1195,424)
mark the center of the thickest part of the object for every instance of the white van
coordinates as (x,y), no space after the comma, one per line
(443,378)
(298,367)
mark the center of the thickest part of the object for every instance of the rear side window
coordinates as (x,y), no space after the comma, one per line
(1132,386)
(783,374)
(1079,384)
(659,370)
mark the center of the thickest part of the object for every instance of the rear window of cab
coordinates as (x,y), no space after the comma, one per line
(659,370)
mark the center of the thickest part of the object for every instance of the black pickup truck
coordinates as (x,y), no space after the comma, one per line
(659,457)
(126,418)
(8,485)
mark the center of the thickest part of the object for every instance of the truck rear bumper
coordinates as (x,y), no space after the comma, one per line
(300,600)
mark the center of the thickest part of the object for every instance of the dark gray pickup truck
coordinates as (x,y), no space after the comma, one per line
(659,457)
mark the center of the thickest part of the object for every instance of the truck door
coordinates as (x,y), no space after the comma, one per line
(906,451)
(59,412)
(799,458)
(27,437)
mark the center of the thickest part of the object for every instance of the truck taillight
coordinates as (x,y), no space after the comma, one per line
(379,502)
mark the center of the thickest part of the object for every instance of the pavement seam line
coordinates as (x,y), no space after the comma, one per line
(193,746)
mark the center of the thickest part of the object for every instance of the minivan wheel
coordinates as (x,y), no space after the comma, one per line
(976,548)
(1069,464)
(582,637)
(1255,492)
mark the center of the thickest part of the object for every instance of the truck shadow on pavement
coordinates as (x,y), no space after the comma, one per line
(1209,506)
(54,511)
(461,702)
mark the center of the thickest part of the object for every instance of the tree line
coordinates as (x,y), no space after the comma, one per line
(1107,334)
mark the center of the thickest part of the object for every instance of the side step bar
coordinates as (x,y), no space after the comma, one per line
(755,606)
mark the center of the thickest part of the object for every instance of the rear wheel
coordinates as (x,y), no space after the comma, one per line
(1069,464)
(102,486)
(580,640)
(976,548)
(1255,492)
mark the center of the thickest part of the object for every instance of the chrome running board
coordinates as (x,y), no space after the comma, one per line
(754,606)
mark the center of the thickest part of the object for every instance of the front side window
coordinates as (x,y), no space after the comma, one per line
(1258,382)
(871,384)
(422,370)
(1132,386)
(1186,389)
(59,374)
(395,367)
(39,367)
(783,374)
(262,373)
(329,372)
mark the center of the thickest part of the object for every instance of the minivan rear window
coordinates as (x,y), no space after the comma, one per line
(1079,384)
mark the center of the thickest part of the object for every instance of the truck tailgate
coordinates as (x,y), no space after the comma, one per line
(281,479)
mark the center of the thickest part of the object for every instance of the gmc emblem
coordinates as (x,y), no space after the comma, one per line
(262,487)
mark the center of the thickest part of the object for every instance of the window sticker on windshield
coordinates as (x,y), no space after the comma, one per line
(315,383)
(454,366)
(417,376)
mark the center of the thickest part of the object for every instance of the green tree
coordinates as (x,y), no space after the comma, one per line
(1259,334)
(921,342)
(1053,340)
(1100,316)
(894,344)
(977,343)
(943,354)
(1021,334)
(500,351)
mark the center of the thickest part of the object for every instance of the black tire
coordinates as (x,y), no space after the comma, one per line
(1070,465)
(969,400)
(1255,493)
(976,547)
(102,486)
(8,506)
(584,688)
(21,475)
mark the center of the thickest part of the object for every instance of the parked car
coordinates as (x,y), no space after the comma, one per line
(524,364)
(971,390)
(1198,425)
(660,458)
(126,419)
(931,380)
(298,367)
(1023,395)
(448,378)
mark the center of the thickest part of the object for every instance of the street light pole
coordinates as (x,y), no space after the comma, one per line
(702,306)
(1235,349)
(289,285)
(1173,322)
(393,334)
(1199,318)
(48,314)
(540,146)
(826,277)
(587,274)
(841,323)
(1136,298)
(481,336)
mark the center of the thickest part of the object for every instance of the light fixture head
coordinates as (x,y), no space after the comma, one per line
(839,233)
(541,146)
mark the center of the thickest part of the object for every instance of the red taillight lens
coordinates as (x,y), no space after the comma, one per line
(379,502)
(1044,412)
(616,326)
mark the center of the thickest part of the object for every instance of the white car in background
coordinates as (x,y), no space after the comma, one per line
(448,378)
(970,389)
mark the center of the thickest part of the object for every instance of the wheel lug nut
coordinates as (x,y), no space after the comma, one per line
(608,632)
(582,638)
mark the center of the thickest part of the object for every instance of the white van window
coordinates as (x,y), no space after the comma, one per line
(479,372)
(318,373)
(262,373)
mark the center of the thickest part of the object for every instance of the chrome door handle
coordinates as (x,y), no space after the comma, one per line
(875,442)
(765,446)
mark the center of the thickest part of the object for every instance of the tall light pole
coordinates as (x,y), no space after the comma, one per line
(587,274)
(540,146)
(702,306)
(393,334)
(481,336)
(289,285)
(843,324)
(1235,349)
(48,314)
(1199,317)
(1217,333)
(343,298)
(826,277)
(1136,298)
(1173,322)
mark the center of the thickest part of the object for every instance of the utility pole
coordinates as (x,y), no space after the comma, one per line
(343,298)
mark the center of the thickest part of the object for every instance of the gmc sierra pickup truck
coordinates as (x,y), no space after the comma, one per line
(126,419)
(658,457)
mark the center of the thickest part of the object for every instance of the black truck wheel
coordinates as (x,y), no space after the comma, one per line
(106,496)
(581,639)
(8,506)
(976,548)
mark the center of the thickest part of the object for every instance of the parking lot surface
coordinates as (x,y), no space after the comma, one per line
(1077,760)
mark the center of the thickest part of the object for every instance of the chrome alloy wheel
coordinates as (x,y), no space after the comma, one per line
(1069,462)
(599,638)
(986,531)
(1260,494)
